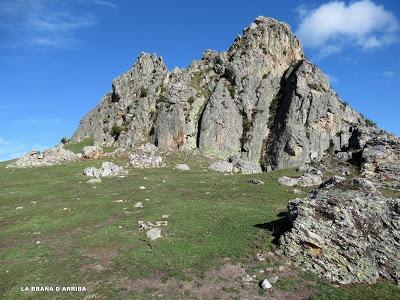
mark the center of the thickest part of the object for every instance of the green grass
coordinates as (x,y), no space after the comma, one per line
(78,147)
(212,218)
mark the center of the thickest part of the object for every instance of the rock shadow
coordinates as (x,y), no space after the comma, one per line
(277,227)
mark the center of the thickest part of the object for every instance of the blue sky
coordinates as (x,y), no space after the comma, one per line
(57,58)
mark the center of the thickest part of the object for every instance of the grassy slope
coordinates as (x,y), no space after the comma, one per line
(212,217)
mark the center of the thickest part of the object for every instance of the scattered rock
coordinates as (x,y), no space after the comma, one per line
(94,180)
(19,207)
(49,157)
(92,152)
(144,225)
(221,166)
(245,166)
(297,191)
(146,160)
(154,233)
(138,205)
(332,182)
(108,169)
(256,181)
(305,180)
(265,284)
(142,187)
(182,167)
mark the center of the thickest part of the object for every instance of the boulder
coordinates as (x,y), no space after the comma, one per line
(345,234)
(304,180)
(245,166)
(221,166)
(145,160)
(154,233)
(92,152)
(182,167)
(108,169)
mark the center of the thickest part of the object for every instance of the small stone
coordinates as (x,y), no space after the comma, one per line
(120,226)
(65,208)
(182,167)
(19,207)
(94,180)
(142,187)
(154,233)
(274,279)
(119,201)
(265,284)
(138,204)
(256,181)
(165,217)
(37,242)
(296,191)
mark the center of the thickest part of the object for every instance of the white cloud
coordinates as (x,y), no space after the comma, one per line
(38,121)
(106,3)
(40,23)
(388,74)
(334,25)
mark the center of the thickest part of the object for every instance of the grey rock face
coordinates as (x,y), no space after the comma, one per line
(260,101)
(345,234)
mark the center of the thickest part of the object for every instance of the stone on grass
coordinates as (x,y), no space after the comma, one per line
(265,284)
(256,181)
(154,233)
(108,169)
(182,167)
(94,180)
(138,204)
(221,166)
(92,152)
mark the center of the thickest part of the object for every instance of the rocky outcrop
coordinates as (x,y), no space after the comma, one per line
(260,101)
(49,157)
(345,232)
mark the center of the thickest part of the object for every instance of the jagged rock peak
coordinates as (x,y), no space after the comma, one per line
(272,37)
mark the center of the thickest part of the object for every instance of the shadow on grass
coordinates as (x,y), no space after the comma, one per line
(277,227)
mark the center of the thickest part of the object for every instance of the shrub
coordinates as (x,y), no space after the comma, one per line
(143,92)
(369,122)
(116,131)
(65,140)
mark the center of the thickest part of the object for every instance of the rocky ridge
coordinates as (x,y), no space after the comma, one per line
(260,101)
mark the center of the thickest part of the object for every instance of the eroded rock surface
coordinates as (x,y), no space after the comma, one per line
(346,232)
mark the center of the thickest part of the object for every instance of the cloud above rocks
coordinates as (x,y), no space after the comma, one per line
(334,25)
(45,24)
